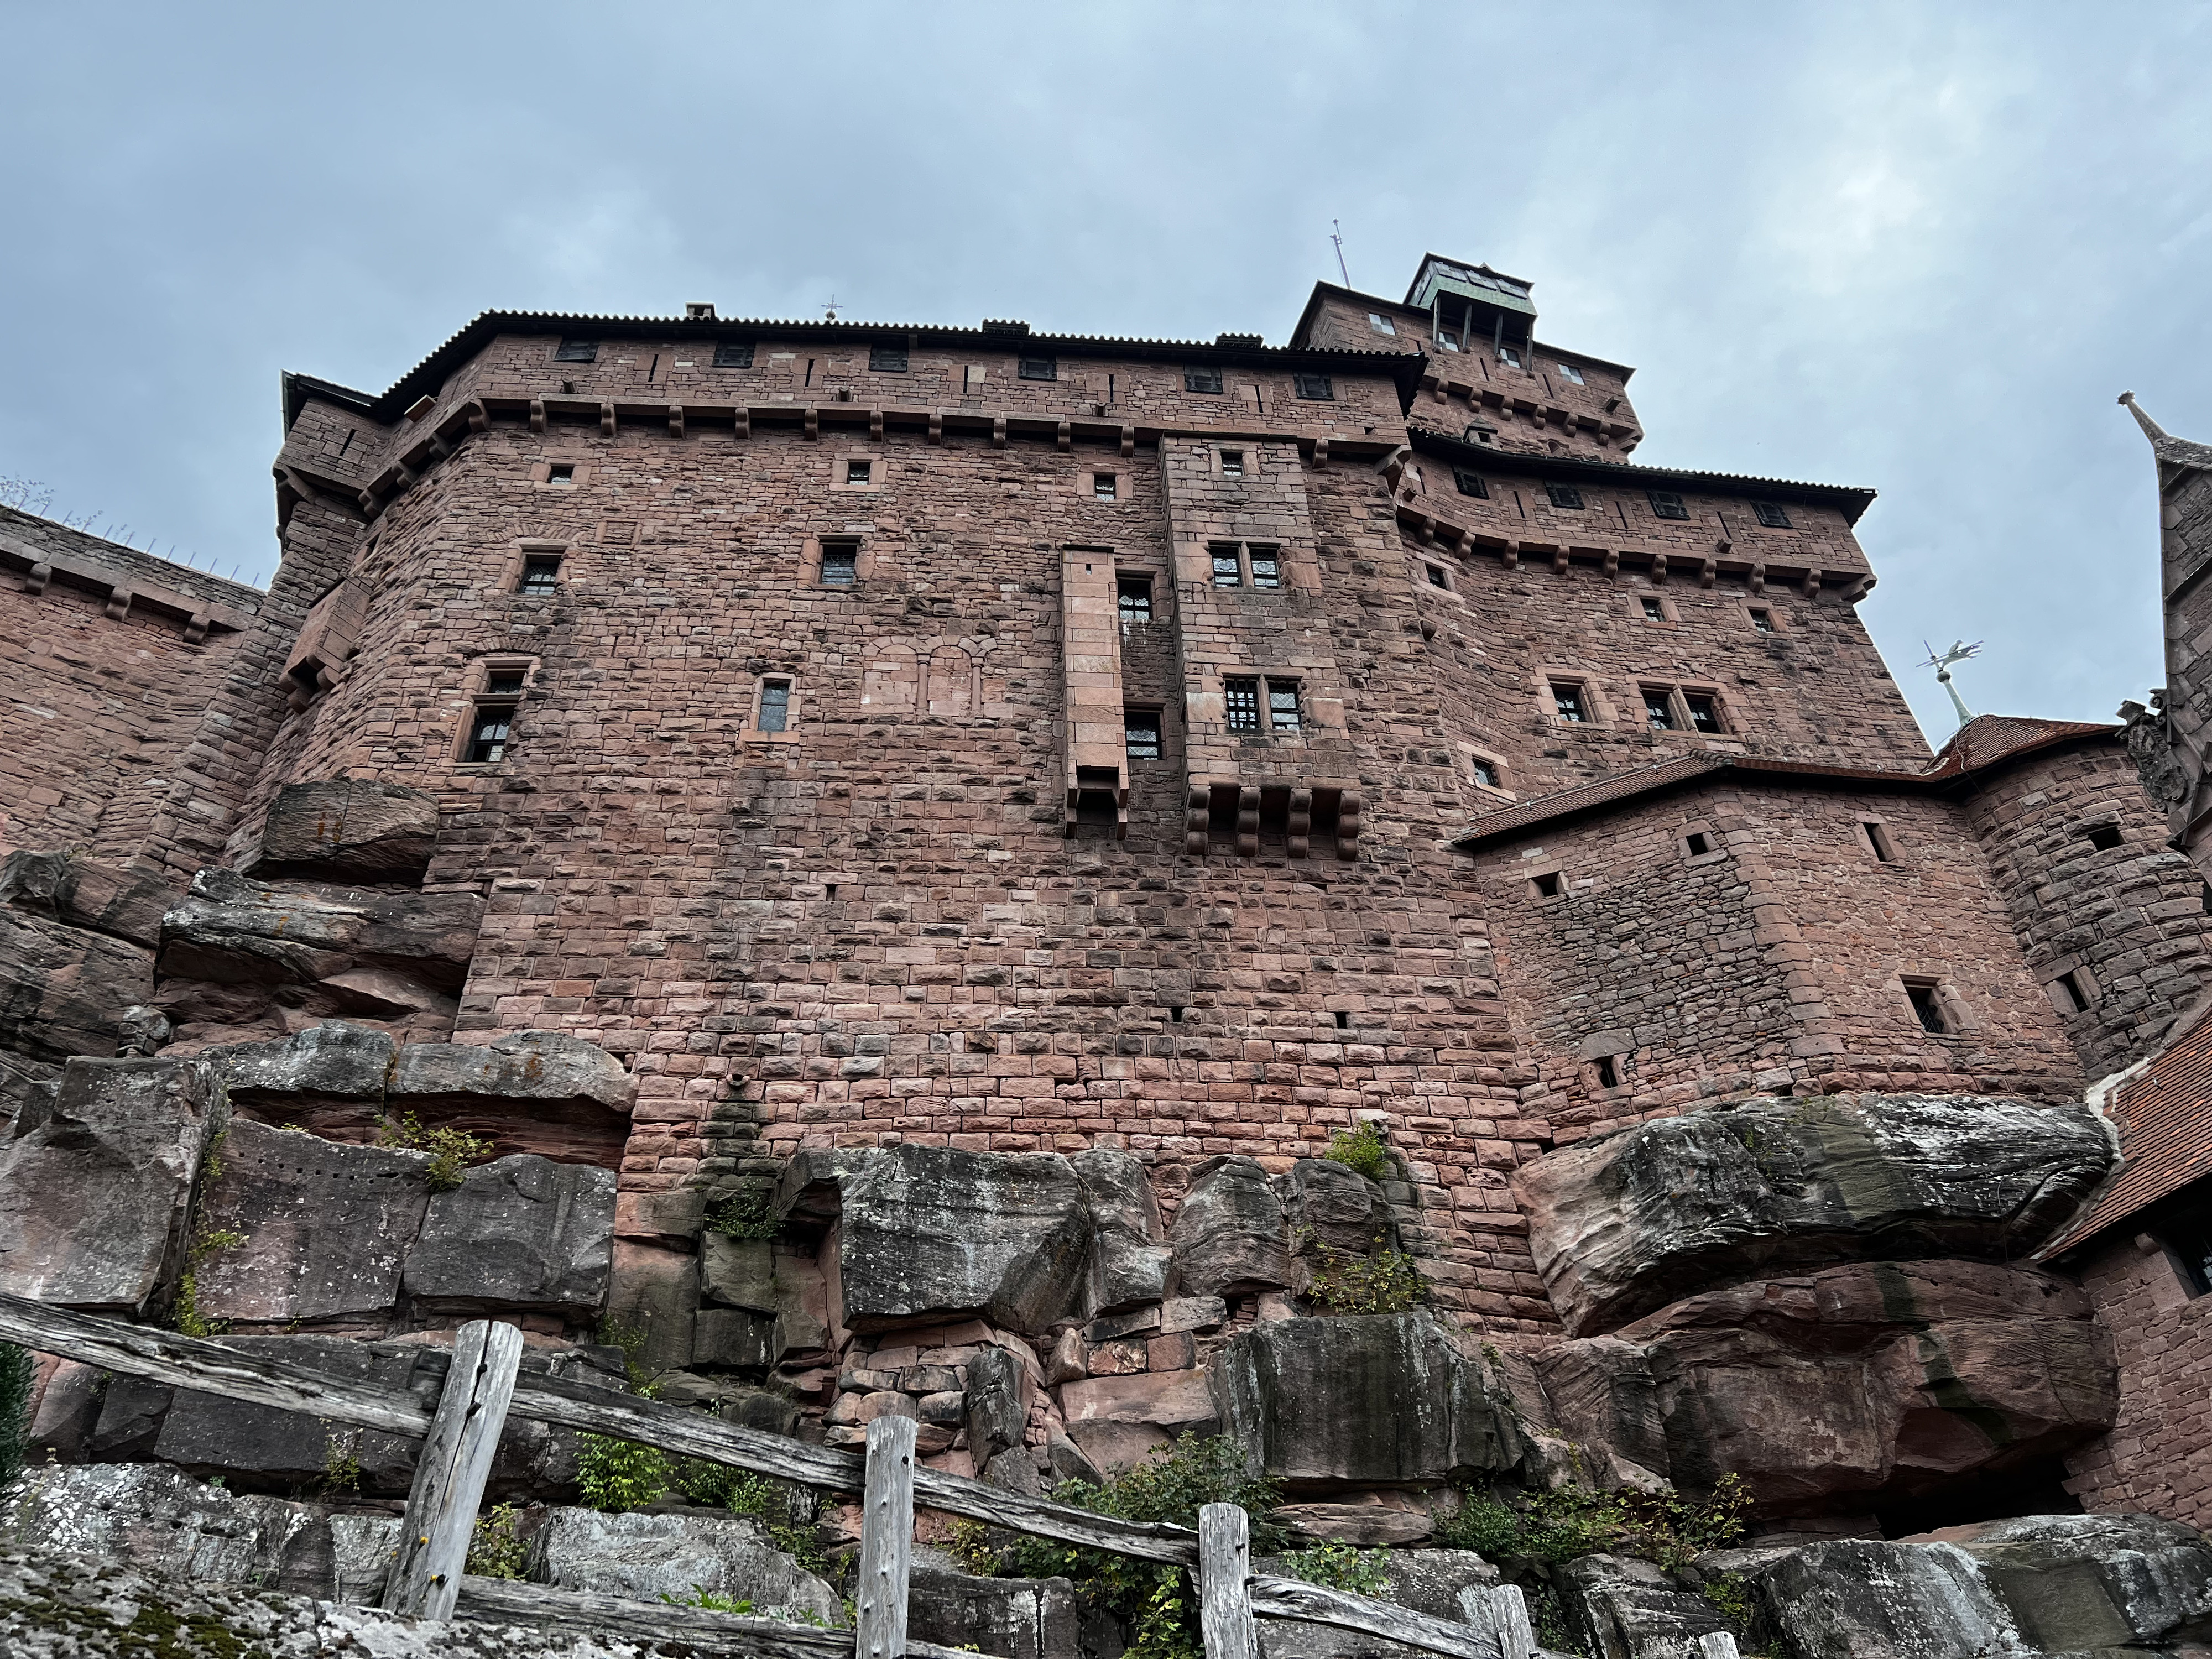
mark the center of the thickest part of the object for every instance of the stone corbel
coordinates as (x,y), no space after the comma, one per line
(1425,530)
(876,424)
(997,432)
(537,415)
(1248,821)
(1510,559)
(1129,441)
(812,427)
(1757,583)
(1658,570)
(676,420)
(1299,826)
(1321,452)
(195,627)
(1812,584)
(1347,828)
(119,603)
(1709,573)
(1198,812)
(937,426)
(479,417)
(1065,438)
(1613,561)
(35,579)
(1858,588)
(1560,562)
(606,419)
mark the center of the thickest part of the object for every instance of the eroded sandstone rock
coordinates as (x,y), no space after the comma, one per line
(348,829)
(1129,1258)
(77,892)
(64,990)
(1228,1237)
(1331,1206)
(1118,1421)
(1628,1608)
(2091,1582)
(522,1232)
(1627,1222)
(645,1558)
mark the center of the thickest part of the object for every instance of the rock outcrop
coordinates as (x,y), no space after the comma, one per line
(349,829)
(521,1233)
(651,1557)
(1129,1260)
(1624,1223)
(1229,1237)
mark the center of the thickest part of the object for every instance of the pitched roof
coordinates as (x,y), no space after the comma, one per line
(2164,1117)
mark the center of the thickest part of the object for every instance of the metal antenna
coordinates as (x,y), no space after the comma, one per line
(1336,235)
(1942,662)
(829,309)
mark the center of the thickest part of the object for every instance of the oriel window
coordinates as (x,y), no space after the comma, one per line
(1240,700)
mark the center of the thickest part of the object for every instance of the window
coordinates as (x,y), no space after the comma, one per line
(1241,704)
(561,472)
(1141,731)
(1228,569)
(1507,355)
(505,682)
(1699,843)
(1668,504)
(1283,705)
(1343,1019)
(2189,1241)
(1267,568)
(887,359)
(1232,463)
(1877,840)
(1104,487)
(541,573)
(1564,495)
(1135,593)
(1654,610)
(1547,884)
(841,564)
(1201,379)
(1762,620)
(1039,368)
(1437,576)
(1567,701)
(1381,324)
(1470,483)
(1772,515)
(1704,711)
(1448,339)
(733,354)
(775,706)
(1928,1006)
(1569,372)
(2102,836)
(1607,1070)
(577,351)
(489,735)
(1316,388)
(1486,774)
(2066,993)
(859,472)
(1659,707)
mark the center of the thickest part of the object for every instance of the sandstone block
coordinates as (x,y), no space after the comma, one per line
(1627,1222)
(738,1272)
(1364,1526)
(96,1185)
(1329,1205)
(1228,1237)
(348,829)
(1129,1259)
(528,1092)
(1627,1607)
(522,1232)
(2088,1583)
(655,1292)
(77,892)
(647,1557)
(1012,1617)
(1439,1582)
(998,1403)
(1118,1420)
(64,990)
(1863,1600)
(733,1338)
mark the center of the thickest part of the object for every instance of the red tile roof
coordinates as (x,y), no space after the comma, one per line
(2165,1119)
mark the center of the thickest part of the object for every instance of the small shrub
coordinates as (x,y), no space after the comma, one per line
(1342,1567)
(701,1596)
(744,1214)
(185,1314)
(719,1485)
(451,1151)
(1573,1520)
(620,1474)
(1362,1150)
(1483,1524)
(1387,1282)
(496,1547)
(341,1464)
(1730,1593)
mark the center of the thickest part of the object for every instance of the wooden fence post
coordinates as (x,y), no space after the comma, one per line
(451,1469)
(1717,1645)
(886,1539)
(1516,1638)
(1224,1569)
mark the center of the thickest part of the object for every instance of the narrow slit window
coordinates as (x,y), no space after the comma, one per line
(860,472)
(1659,708)
(1266,568)
(1547,884)
(1667,504)
(1654,611)
(1565,496)
(1104,487)
(1201,379)
(1232,463)
(1039,368)
(1877,840)
(1771,514)
(1704,713)
(1227,569)
(2066,992)
(1486,774)
(1928,1008)
(841,564)
(887,359)
(1283,705)
(1437,576)
(1343,1019)
(577,351)
(1762,620)
(1316,388)
(1136,597)
(1141,733)
(1240,702)
(1470,483)
(2102,836)
(1568,702)
(1607,1070)
(541,573)
(733,354)
(561,472)
(493,730)
(775,705)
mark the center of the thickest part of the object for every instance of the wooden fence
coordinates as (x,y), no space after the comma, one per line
(482,1386)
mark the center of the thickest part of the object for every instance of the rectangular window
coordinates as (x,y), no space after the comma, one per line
(1607,1070)
(2189,1241)
(1227,569)
(1928,1006)
(1232,463)
(1507,355)
(1569,372)
(1447,339)
(1283,705)
(2102,836)
(1240,702)
(1039,368)
(1697,842)
(1470,483)
(505,682)
(488,737)
(2066,993)
(1567,701)
(1381,324)
(1316,388)
(1762,619)
(859,471)
(1267,568)
(1437,576)
(561,472)
(1141,731)
(541,573)
(1772,515)
(1659,707)
(1486,773)
(577,351)
(1564,495)
(775,705)
(733,354)
(1135,593)
(1201,379)
(840,563)
(1704,711)
(887,359)
(1668,504)
(1104,487)
(1654,610)
(1877,840)
(1547,884)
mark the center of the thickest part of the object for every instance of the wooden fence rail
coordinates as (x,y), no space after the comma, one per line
(482,1386)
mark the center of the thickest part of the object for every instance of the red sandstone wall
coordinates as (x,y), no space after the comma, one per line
(2158,1458)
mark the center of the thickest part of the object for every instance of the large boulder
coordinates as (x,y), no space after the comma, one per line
(1629,1221)
(2084,1582)
(348,829)
(64,990)
(1333,1208)
(651,1557)
(325,1227)
(1228,1235)
(1859,1599)
(1321,1405)
(933,1234)
(75,891)
(96,1184)
(519,1233)
(1629,1609)
(1012,1617)
(1868,1382)
(1453,1585)
(1129,1259)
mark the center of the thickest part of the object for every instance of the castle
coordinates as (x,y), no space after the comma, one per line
(850,736)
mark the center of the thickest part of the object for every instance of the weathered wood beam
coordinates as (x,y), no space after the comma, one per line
(886,1540)
(450,1471)
(1224,1563)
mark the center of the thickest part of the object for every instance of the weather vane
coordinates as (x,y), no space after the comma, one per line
(829,306)
(1959,652)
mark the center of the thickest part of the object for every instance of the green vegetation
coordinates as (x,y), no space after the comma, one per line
(620,1474)
(17,1371)
(630,1338)
(1342,1567)
(1387,1282)
(1361,1150)
(496,1547)
(340,1463)
(185,1314)
(1730,1592)
(744,1214)
(451,1151)
(1666,1528)
(701,1596)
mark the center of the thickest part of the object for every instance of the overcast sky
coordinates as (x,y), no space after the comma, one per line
(1921,248)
